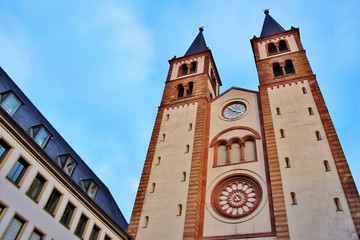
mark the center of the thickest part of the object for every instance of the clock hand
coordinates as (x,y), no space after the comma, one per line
(234,110)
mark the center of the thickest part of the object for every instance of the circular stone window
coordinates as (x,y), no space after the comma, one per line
(236,196)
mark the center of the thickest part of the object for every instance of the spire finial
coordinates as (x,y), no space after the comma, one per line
(266,11)
(201,28)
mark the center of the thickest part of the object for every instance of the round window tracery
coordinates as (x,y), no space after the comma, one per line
(236,196)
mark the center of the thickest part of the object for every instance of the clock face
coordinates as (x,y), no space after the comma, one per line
(234,110)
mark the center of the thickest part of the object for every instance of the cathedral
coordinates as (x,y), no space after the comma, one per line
(245,164)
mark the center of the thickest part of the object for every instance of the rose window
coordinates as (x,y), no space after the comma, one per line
(236,196)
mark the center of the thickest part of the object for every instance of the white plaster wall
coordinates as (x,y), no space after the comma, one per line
(200,67)
(315,215)
(259,220)
(290,40)
(161,205)
(18,202)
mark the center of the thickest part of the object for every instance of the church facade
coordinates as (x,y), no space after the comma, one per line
(245,164)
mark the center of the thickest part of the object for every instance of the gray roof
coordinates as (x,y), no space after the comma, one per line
(28,116)
(198,45)
(270,26)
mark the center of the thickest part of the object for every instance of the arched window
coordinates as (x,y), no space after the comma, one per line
(184,69)
(180,89)
(327,166)
(146,221)
(283,46)
(235,152)
(187,148)
(272,48)
(183,176)
(221,155)
(190,127)
(189,89)
(337,204)
(158,160)
(293,198)
(277,69)
(289,67)
(287,162)
(282,133)
(193,67)
(318,135)
(152,188)
(304,90)
(311,112)
(277,111)
(179,210)
(249,150)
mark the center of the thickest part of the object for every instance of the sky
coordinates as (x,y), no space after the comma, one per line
(96,69)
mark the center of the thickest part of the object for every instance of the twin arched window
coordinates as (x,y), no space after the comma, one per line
(188,89)
(234,151)
(274,48)
(278,70)
(187,68)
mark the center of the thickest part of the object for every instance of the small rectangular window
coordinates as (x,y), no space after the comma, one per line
(52,202)
(40,135)
(4,149)
(18,171)
(10,102)
(107,237)
(80,228)
(14,229)
(36,187)
(94,233)
(67,215)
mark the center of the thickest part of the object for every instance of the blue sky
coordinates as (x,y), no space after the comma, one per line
(96,69)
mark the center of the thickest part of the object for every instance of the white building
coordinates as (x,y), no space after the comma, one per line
(46,190)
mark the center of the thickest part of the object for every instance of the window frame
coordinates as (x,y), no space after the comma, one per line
(5,98)
(36,133)
(81,226)
(18,231)
(68,215)
(36,189)
(68,161)
(87,187)
(95,230)
(4,145)
(53,202)
(17,178)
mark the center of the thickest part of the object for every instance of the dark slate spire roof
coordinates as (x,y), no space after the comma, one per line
(198,45)
(270,26)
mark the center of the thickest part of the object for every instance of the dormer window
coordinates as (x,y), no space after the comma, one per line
(67,163)
(10,102)
(90,187)
(40,134)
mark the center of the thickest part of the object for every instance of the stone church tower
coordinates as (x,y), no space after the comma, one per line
(245,164)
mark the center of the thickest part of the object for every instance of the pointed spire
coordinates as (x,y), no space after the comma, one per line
(270,26)
(198,45)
